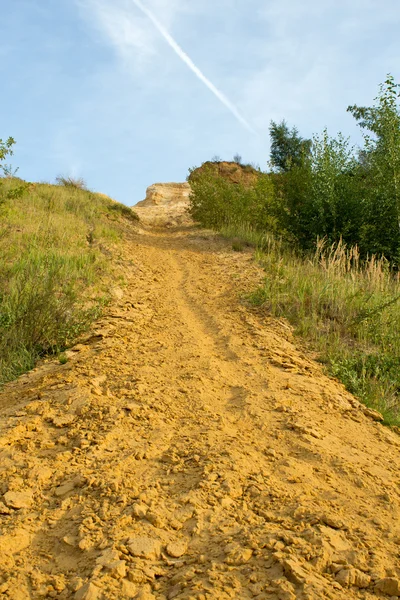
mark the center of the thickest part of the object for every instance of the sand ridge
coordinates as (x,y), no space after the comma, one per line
(190,449)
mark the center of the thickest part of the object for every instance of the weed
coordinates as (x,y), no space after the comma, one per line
(347,310)
(54,248)
(74,182)
(124,210)
(237,245)
(63,358)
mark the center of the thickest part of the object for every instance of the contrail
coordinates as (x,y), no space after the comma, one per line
(188,61)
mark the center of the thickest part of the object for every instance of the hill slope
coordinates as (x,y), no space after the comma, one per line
(189,450)
(55,260)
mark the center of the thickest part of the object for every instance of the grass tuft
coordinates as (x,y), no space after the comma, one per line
(73,182)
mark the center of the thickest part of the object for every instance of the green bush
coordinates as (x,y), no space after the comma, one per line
(217,202)
(336,194)
(320,197)
(349,312)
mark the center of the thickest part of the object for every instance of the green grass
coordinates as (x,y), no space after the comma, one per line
(54,263)
(348,311)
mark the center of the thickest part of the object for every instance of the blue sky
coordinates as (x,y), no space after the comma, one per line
(93,88)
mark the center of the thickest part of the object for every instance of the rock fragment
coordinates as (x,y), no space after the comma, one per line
(295,572)
(139,510)
(372,414)
(145,594)
(144,547)
(129,589)
(88,592)
(3,509)
(176,549)
(110,560)
(389,585)
(236,555)
(19,500)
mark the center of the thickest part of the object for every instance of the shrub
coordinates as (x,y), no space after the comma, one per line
(217,202)
(72,182)
(348,310)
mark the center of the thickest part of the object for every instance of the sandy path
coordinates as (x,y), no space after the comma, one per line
(188,450)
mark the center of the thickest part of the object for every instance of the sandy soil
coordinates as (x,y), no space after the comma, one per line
(191,449)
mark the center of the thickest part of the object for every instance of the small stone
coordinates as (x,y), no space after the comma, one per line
(86,544)
(237,555)
(226,502)
(110,560)
(70,540)
(295,572)
(177,549)
(361,580)
(332,521)
(3,509)
(270,452)
(65,488)
(88,592)
(129,589)
(117,293)
(107,557)
(346,577)
(389,585)
(372,414)
(155,519)
(139,510)
(144,547)
(19,500)
(76,583)
(63,420)
(145,594)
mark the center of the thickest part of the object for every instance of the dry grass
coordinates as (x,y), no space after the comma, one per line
(347,310)
(54,258)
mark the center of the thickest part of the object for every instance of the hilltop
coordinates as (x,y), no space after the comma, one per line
(231,171)
(165,205)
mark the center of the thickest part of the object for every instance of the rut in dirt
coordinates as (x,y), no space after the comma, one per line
(190,449)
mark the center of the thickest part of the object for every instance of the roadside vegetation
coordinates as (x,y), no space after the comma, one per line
(325,219)
(55,244)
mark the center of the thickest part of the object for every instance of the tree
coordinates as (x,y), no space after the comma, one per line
(288,148)
(5,150)
(381,166)
(16,191)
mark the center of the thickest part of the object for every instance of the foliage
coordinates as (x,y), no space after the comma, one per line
(217,202)
(288,149)
(74,182)
(380,166)
(6,149)
(319,197)
(123,210)
(54,268)
(336,193)
(8,171)
(348,310)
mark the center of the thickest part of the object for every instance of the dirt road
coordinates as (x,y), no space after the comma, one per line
(188,449)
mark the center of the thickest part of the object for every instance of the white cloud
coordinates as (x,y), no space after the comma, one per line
(128,31)
(136,29)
